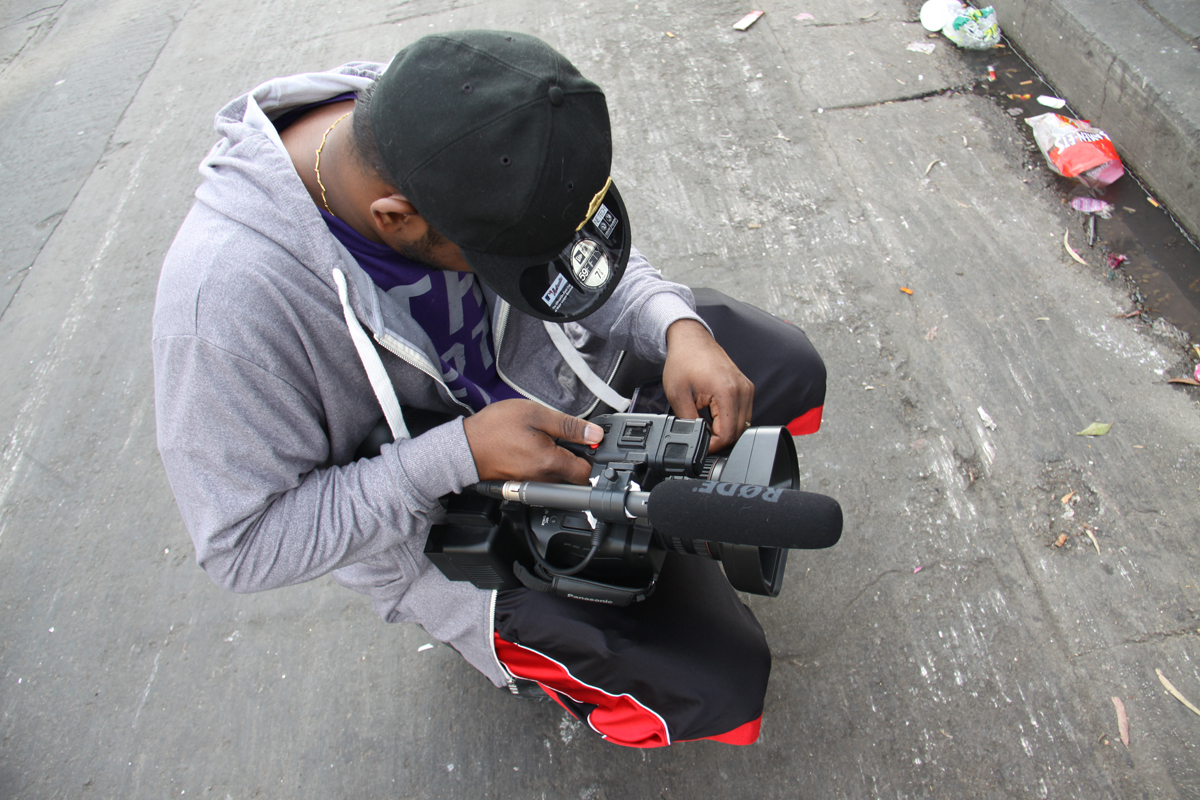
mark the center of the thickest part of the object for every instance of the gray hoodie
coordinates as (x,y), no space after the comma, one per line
(262,399)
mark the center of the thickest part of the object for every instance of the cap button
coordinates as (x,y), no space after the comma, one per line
(556,96)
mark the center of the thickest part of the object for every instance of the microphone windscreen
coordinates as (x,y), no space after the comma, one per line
(740,513)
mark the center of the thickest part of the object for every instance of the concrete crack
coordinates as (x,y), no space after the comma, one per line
(1190,41)
(1145,638)
(901,99)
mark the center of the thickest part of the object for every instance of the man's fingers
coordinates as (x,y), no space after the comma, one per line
(573,429)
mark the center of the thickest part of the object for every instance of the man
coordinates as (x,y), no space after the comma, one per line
(443,236)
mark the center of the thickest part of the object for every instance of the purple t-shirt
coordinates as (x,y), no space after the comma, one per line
(448,305)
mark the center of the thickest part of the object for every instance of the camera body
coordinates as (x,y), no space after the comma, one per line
(612,556)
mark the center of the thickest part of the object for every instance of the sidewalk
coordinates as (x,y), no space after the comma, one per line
(1133,68)
(1000,578)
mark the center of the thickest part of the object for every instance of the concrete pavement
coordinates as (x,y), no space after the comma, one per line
(945,648)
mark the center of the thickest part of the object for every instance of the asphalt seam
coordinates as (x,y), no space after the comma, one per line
(108,146)
(51,18)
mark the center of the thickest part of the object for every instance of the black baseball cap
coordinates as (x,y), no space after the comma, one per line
(505,149)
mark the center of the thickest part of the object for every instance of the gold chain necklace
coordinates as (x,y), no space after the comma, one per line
(328,131)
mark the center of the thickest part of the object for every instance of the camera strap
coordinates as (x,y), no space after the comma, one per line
(595,384)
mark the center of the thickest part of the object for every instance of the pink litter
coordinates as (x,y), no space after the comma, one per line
(1090,205)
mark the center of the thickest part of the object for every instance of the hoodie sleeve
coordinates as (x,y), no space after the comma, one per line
(639,312)
(247,458)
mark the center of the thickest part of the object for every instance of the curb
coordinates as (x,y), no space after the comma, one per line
(1133,74)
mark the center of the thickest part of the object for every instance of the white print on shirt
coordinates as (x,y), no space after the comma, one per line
(458,355)
(403,294)
(485,352)
(457,286)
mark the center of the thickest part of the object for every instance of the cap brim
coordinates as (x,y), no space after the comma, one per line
(569,283)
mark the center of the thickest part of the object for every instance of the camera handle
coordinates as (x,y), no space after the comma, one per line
(606,503)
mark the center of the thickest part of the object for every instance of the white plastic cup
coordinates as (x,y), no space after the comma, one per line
(937,14)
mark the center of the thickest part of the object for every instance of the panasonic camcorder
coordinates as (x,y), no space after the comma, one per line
(654,488)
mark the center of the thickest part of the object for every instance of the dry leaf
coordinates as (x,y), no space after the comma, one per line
(1074,255)
(1096,429)
(1170,688)
(1091,535)
(1122,721)
(1067,497)
(1061,540)
(1185,381)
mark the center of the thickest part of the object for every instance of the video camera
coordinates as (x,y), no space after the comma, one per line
(654,488)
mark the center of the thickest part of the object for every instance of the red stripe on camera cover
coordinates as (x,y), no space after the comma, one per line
(619,718)
(808,422)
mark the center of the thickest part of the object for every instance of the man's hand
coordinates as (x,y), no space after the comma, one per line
(698,374)
(513,440)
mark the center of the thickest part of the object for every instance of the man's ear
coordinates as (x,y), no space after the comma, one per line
(394,214)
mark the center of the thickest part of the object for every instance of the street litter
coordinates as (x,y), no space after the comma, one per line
(915,571)
(1051,102)
(1092,535)
(1026,83)
(1153,202)
(1061,540)
(803,15)
(931,334)
(991,72)
(1019,96)
(1185,381)
(748,20)
(906,290)
(424,647)
(922,47)
(1074,255)
(671,35)
(1175,692)
(1115,260)
(969,28)
(1076,150)
(931,165)
(1067,497)
(987,420)
(1092,205)
(754,225)
(1122,721)
(1096,429)
(1198,372)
